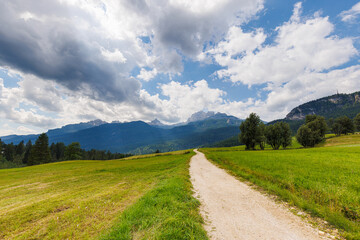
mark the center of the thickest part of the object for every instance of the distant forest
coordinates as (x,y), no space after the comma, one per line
(28,154)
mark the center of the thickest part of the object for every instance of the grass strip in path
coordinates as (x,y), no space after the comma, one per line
(167,212)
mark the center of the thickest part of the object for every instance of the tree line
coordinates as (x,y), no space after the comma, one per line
(253,132)
(40,152)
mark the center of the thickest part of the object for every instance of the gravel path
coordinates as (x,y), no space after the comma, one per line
(233,210)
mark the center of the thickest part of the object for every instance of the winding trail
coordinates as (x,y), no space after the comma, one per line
(233,210)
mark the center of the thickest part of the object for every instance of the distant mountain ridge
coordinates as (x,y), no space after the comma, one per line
(330,107)
(333,106)
(75,127)
(140,137)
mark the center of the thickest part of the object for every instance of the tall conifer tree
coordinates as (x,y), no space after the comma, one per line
(40,152)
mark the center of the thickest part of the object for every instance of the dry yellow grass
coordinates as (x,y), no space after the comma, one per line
(76,199)
(351,139)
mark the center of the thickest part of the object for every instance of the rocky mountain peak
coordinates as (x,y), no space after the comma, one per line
(201,115)
(156,122)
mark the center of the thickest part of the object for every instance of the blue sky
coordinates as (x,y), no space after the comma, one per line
(69,61)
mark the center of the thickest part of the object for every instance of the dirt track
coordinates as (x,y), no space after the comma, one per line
(233,210)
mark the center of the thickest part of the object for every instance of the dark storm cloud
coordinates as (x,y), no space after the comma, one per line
(49,47)
(180,29)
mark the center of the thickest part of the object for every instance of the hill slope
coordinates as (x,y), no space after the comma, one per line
(330,107)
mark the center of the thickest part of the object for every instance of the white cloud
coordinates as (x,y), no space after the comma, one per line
(352,14)
(10,108)
(147,75)
(297,67)
(115,56)
(184,99)
(238,42)
(300,47)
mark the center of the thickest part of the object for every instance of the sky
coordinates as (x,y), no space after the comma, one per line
(70,61)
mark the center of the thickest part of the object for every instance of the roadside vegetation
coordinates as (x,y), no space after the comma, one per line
(144,198)
(323,181)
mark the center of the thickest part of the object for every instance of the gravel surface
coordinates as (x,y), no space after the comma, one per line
(233,210)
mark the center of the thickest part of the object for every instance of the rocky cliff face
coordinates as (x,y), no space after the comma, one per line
(332,106)
(198,116)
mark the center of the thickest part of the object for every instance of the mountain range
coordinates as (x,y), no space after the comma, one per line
(201,129)
(138,137)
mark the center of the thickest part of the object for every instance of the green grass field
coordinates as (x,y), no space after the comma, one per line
(138,198)
(324,181)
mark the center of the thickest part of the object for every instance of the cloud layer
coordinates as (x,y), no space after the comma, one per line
(77,60)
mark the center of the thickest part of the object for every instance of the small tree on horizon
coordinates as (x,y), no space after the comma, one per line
(251,133)
(40,152)
(28,147)
(73,151)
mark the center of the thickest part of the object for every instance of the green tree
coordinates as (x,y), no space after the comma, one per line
(278,134)
(286,135)
(330,123)
(9,152)
(357,121)
(20,148)
(337,128)
(317,124)
(305,136)
(262,138)
(28,147)
(273,136)
(40,152)
(1,150)
(251,133)
(60,151)
(313,131)
(347,125)
(73,151)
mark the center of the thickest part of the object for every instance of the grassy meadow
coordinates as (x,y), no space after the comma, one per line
(138,198)
(324,181)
